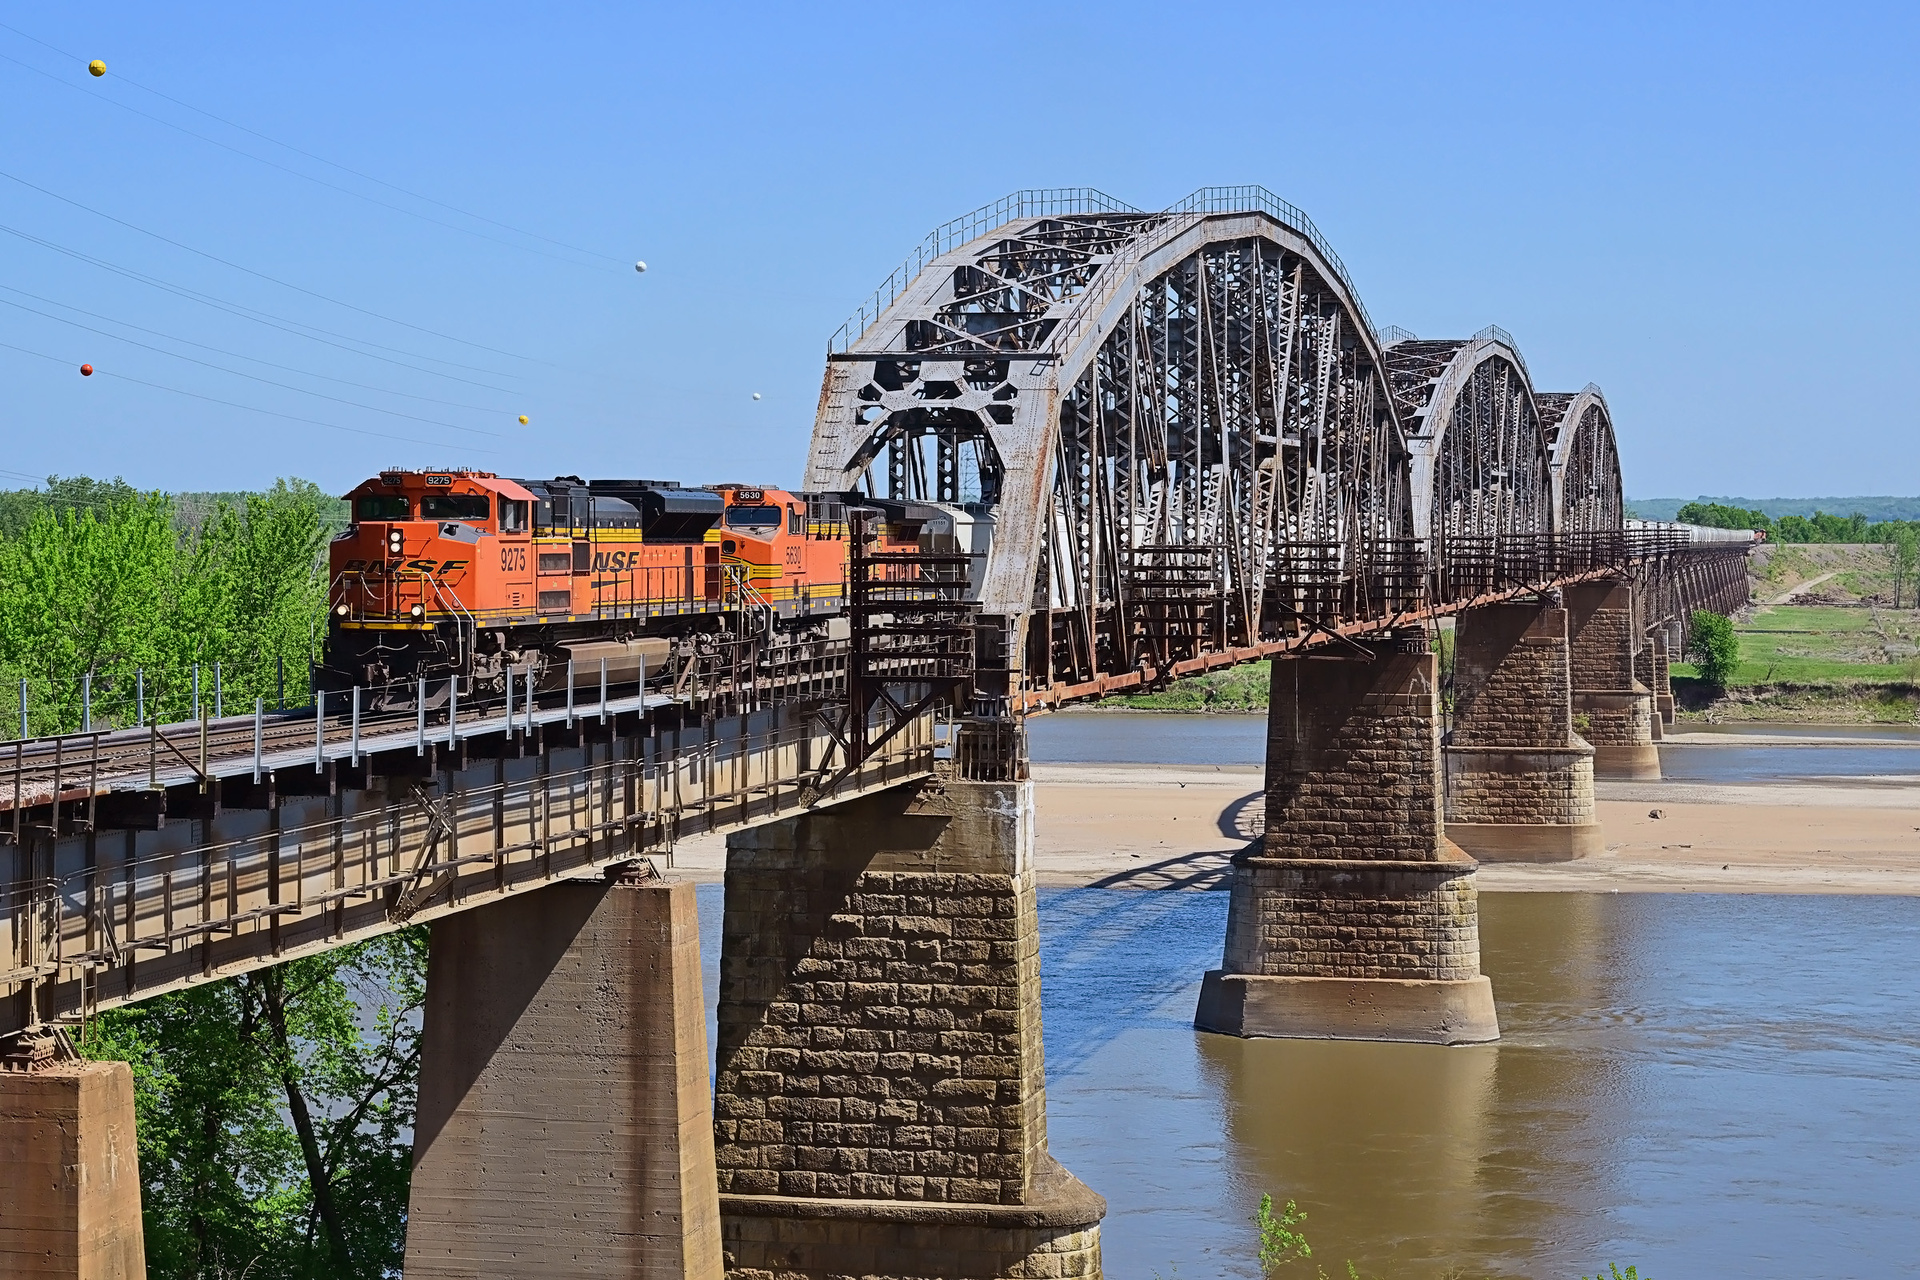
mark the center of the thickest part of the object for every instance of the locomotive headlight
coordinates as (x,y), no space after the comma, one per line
(394,541)
(418,611)
(340,610)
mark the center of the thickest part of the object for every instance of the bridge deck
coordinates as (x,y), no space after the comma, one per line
(111,903)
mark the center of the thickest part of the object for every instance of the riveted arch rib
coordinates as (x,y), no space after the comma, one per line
(1196,392)
(1481,468)
(1587,494)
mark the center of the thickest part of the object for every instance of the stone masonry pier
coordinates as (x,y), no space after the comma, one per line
(1355,918)
(880,1108)
(1519,779)
(1612,709)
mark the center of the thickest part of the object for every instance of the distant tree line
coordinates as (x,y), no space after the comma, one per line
(1821,526)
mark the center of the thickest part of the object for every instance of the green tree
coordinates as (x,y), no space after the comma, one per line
(1714,647)
(1903,556)
(274,1114)
(1714,515)
(122,586)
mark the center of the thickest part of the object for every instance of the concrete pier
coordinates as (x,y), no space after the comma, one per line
(564,1127)
(881,1100)
(69,1168)
(1612,709)
(1519,779)
(1356,918)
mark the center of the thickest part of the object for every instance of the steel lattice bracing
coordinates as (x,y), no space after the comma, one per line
(1480,460)
(1169,419)
(1174,438)
(1586,467)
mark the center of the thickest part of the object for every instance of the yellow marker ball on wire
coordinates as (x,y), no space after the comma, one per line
(523,419)
(97,67)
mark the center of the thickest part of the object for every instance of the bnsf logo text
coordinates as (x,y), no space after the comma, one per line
(615,561)
(385,568)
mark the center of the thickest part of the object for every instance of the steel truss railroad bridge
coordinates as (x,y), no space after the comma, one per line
(1185,446)
(1166,442)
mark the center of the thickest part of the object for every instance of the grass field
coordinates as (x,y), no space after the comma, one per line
(1816,663)
(1812,644)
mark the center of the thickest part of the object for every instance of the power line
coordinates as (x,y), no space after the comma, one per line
(367,177)
(331,186)
(298,328)
(478,346)
(232,404)
(309,373)
(252,377)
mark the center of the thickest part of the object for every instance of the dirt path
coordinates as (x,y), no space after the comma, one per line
(1808,585)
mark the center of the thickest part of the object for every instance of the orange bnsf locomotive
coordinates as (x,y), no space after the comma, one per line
(470,575)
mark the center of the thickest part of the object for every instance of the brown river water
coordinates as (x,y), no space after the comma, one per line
(1701,1085)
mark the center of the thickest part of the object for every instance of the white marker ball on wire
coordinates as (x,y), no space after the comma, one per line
(641,267)
(756,395)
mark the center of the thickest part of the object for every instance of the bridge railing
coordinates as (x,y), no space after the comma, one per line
(1257,199)
(94,914)
(1034,202)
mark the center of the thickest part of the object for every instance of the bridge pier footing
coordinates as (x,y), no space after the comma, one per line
(881,1103)
(564,1127)
(1519,779)
(1357,919)
(1612,709)
(69,1167)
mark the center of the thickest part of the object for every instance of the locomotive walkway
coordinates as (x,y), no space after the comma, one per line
(1172,441)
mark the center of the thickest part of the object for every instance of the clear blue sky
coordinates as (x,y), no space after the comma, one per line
(1708,210)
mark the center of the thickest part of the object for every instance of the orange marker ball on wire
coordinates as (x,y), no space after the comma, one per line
(86,371)
(97,67)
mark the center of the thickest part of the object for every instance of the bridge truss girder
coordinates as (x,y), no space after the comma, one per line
(1167,415)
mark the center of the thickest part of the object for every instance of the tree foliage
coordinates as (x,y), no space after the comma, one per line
(1821,526)
(1714,647)
(119,589)
(275,1113)
(1903,557)
(274,1109)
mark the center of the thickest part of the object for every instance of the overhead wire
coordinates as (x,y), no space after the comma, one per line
(212,257)
(238,355)
(283,323)
(251,377)
(287,169)
(233,404)
(366,177)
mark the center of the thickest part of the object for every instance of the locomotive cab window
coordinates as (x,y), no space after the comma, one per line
(513,515)
(381,506)
(759,520)
(455,506)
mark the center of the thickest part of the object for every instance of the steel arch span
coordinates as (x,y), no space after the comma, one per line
(1481,470)
(1174,439)
(1177,425)
(1587,493)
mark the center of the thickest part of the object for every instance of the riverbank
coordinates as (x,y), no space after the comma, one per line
(1153,826)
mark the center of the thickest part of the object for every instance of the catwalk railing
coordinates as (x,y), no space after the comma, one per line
(168,874)
(1320,593)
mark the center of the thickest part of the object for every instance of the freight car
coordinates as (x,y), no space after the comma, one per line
(470,575)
